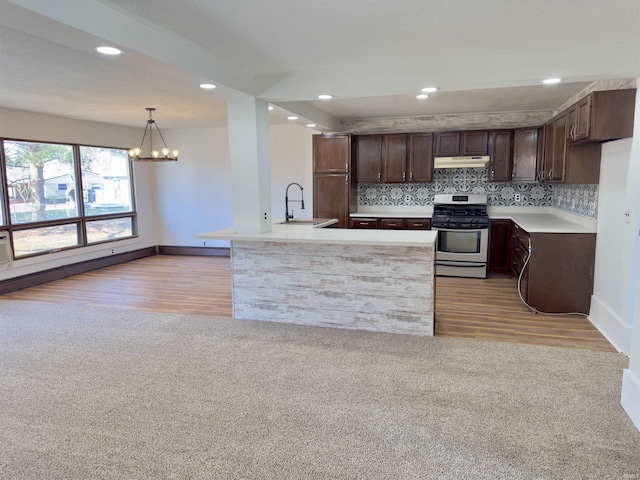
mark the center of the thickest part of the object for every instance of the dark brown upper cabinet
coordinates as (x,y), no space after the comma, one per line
(369,158)
(331,153)
(527,154)
(447,144)
(394,158)
(475,143)
(420,166)
(500,163)
(563,163)
(602,116)
(454,144)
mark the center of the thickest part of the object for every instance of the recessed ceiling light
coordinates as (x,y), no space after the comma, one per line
(325,97)
(422,96)
(551,81)
(207,86)
(293,117)
(271,107)
(311,125)
(109,50)
(429,89)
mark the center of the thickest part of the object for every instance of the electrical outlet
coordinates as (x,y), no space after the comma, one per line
(113,250)
(407,198)
(516,198)
(204,243)
(627,216)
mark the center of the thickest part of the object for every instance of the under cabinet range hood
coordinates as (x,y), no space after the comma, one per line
(460,162)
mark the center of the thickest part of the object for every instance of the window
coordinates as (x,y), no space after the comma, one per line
(40,182)
(34,171)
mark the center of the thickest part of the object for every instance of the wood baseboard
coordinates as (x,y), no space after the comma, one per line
(194,251)
(45,276)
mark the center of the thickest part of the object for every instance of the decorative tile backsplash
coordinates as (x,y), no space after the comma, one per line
(577,199)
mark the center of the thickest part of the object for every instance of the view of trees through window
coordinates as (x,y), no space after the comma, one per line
(46,212)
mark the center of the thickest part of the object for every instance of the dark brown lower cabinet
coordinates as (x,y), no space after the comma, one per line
(364,222)
(392,223)
(557,277)
(418,224)
(560,272)
(331,194)
(499,251)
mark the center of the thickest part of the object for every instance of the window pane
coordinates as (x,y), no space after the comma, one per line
(26,242)
(106,181)
(40,181)
(112,229)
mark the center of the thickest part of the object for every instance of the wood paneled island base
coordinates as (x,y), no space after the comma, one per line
(323,278)
(378,288)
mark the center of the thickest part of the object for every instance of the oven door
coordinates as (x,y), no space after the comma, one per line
(462,245)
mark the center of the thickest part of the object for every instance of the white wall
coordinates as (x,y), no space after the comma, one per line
(630,396)
(610,303)
(48,128)
(291,161)
(194,194)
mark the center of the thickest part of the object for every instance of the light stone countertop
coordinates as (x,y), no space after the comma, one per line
(306,233)
(531,219)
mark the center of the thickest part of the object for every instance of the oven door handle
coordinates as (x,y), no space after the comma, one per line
(446,263)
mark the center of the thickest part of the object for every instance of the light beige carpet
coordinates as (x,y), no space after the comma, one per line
(91,393)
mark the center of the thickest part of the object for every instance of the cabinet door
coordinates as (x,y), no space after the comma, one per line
(418,223)
(555,168)
(582,128)
(500,163)
(447,144)
(420,157)
(475,143)
(525,154)
(331,153)
(331,197)
(392,223)
(499,242)
(369,158)
(394,158)
(364,223)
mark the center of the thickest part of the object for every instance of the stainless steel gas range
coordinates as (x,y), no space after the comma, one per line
(462,224)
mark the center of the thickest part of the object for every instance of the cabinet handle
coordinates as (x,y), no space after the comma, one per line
(550,174)
(391,224)
(417,225)
(378,176)
(404,174)
(346,165)
(411,176)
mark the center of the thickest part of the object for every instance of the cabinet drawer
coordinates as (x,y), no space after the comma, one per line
(364,223)
(418,223)
(392,223)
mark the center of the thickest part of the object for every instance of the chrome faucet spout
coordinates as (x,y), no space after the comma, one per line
(288,216)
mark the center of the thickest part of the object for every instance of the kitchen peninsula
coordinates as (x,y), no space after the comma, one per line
(377,280)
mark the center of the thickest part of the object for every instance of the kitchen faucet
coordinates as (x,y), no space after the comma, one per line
(287,217)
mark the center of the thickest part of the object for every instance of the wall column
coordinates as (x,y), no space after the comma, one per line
(630,398)
(249,152)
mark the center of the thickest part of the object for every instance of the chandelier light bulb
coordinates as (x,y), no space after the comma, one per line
(132,152)
(155,153)
(165,151)
(175,153)
(137,151)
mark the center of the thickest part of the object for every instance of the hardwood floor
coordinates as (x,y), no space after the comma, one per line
(470,308)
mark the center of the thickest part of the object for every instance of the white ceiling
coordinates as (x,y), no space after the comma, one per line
(372,55)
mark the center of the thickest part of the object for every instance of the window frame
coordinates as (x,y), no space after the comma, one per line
(81,219)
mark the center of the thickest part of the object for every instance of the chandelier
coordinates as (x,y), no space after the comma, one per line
(161,155)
